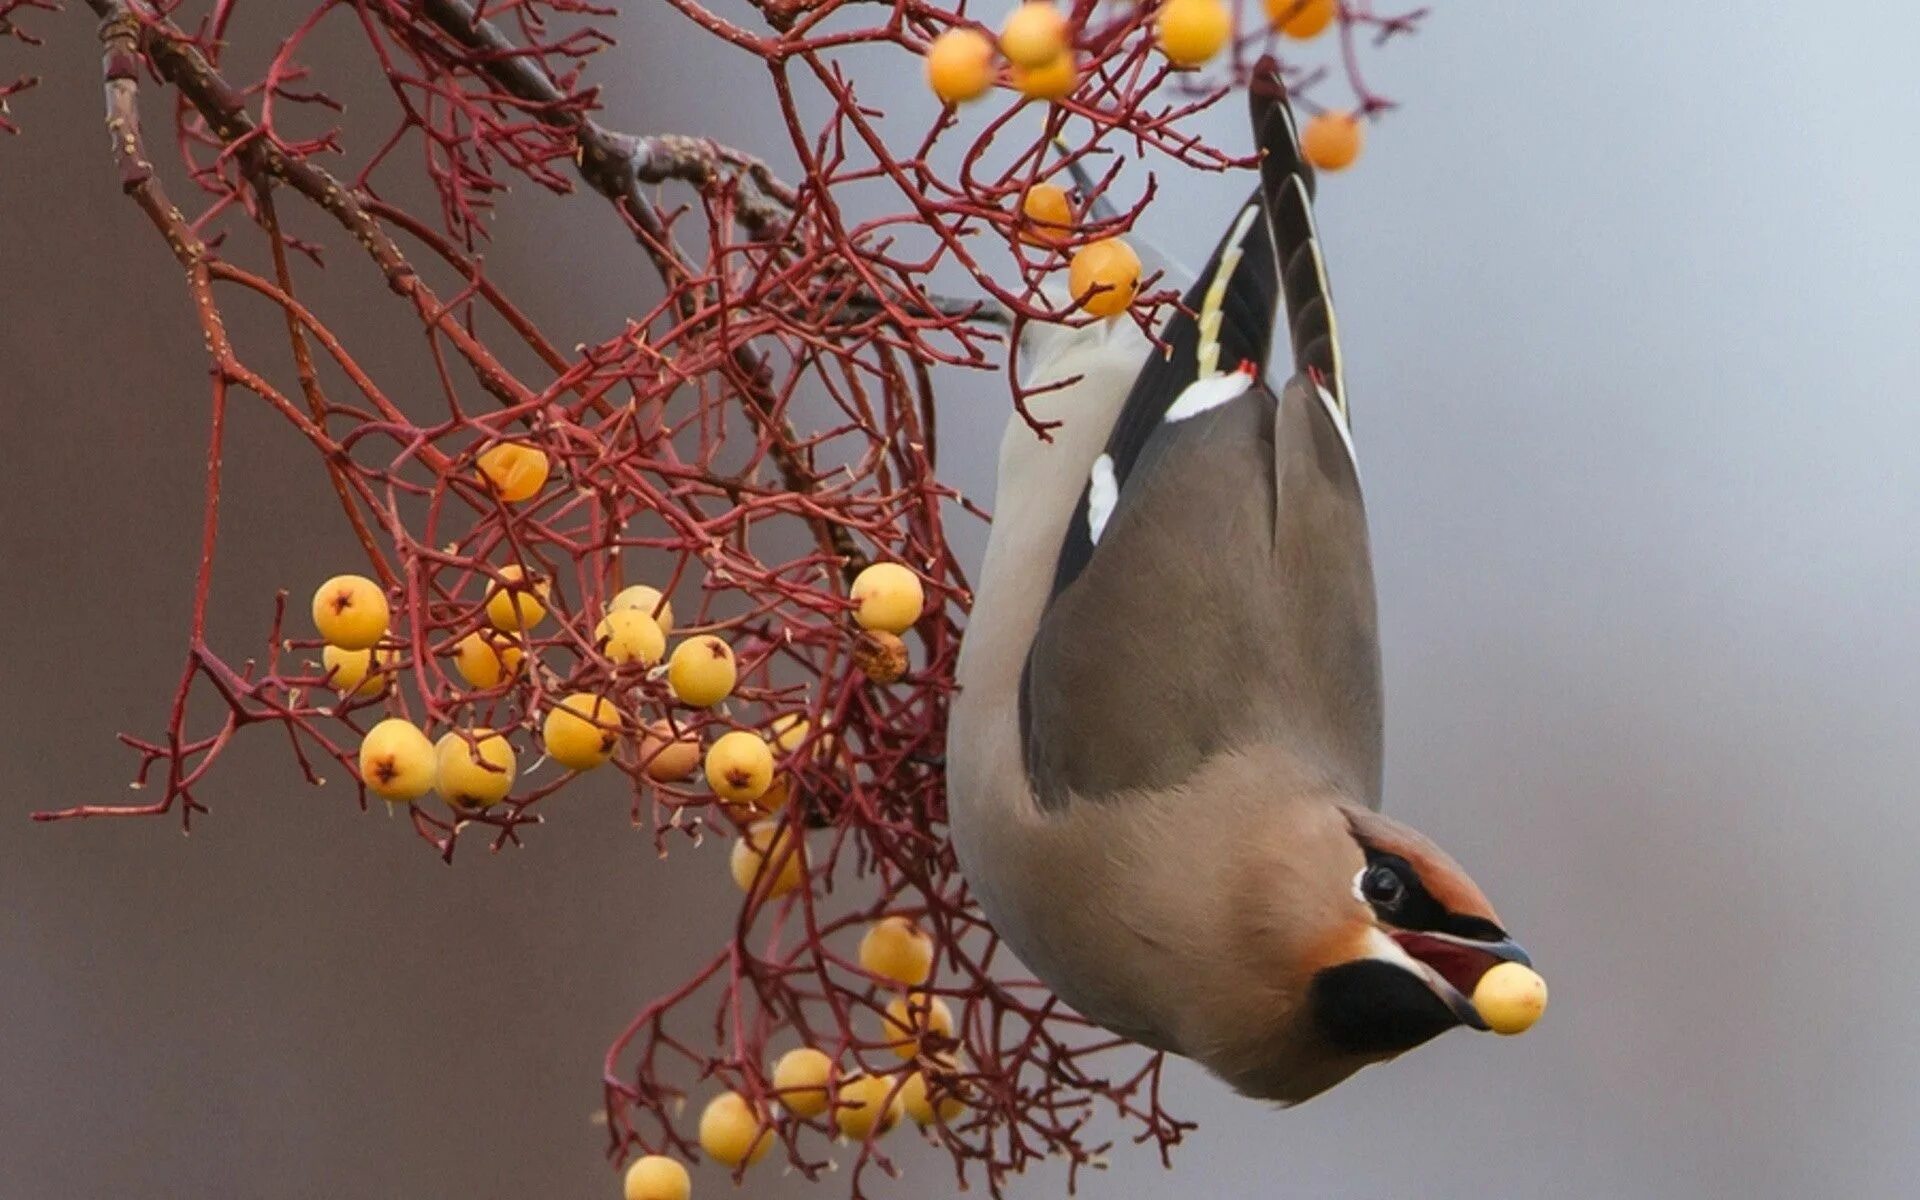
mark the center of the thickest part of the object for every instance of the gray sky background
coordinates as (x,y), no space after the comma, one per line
(1628,297)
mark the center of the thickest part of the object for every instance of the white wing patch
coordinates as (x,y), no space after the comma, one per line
(1208,392)
(1210,304)
(1103,492)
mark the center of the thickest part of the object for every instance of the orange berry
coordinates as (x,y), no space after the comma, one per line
(1047,215)
(666,758)
(484,659)
(960,65)
(918,1097)
(649,601)
(1104,275)
(516,605)
(514,470)
(702,671)
(1193,31)
(1053,80)
(1302,19)
(361,672)
(627,635)
(1034,35)
(397,761)
(868,1105)
(1332,140)
(581,731)
(801,1079)
(893,947)
(657,1177)
(910,1019)
(767,846)
(732,1133)
(739,766)
(474,774)
(350,611)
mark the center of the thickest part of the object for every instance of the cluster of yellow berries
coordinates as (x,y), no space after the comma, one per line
(807,1081)
(1037,44)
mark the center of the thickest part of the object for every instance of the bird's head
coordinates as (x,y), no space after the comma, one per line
(1371,944)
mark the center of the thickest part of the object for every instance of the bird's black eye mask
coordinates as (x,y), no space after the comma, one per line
(1392,888)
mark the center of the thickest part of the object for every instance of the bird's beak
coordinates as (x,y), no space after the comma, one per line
(1453,966)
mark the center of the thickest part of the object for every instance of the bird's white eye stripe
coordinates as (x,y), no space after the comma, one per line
(1103,492)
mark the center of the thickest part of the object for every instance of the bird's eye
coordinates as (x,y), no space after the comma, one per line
(1382,886)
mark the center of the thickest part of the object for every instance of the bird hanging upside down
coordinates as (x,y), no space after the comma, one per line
(1164,761)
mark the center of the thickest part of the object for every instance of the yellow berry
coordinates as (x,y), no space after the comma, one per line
(868,1105)
(889,598)
(768,846)
(1332,140)
(665,757)
(1104,275)
(397,761)
(775,797)
(350,611)
(517,605)
(960,65)
(1302,19)
(627,635)
(801,1079)
(649,601)
(739,766)
(514,470)
(1035,34)
(1193,31)
(917,1097)
(910,1019)
(1510,998)
(484,659)
(1054,80)
(467,783)
(657,1177)
(701,671)
(895,949)
(1047,215)
(354,670)
(581,731)
(730,1132)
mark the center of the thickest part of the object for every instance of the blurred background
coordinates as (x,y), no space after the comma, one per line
(1628,297)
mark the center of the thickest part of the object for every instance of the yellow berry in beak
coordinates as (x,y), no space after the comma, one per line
(1510,998)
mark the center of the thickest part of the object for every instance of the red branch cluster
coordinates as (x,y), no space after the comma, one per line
(678,458)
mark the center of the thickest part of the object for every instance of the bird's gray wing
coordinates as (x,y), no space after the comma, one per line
(1215,587)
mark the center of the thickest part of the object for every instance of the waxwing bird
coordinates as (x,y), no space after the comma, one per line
(1164,760)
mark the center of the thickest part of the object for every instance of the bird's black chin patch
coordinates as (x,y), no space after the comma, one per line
(1373,1007)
